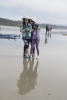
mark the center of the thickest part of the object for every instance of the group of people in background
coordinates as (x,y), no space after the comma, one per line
(48,32)
(30,35)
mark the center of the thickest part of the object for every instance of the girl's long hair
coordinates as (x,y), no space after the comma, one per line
(23,22)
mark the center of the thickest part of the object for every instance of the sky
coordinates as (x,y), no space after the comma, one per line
(42,11)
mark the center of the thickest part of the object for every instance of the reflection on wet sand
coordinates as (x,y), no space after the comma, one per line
(51,79)
(28,78)
(45,38)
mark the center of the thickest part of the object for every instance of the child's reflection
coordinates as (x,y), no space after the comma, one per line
(28,78)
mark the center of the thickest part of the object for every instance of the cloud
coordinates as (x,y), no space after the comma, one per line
(37,5)
(49,11)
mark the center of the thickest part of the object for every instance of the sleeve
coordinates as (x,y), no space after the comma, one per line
(21,28)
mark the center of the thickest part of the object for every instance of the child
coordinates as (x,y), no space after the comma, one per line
(26,35)
(32,22)
(35,40)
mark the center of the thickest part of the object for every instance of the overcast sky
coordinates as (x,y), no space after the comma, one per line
(45,11)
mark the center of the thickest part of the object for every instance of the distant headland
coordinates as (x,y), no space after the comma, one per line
(8,22)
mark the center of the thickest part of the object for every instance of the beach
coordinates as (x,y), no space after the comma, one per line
(24,79)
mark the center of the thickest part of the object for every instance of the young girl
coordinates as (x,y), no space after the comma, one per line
(26,35)
(35,40)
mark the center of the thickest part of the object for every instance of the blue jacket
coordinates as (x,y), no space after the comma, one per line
(26,34)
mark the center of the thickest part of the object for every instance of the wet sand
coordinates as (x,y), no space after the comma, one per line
(23,79)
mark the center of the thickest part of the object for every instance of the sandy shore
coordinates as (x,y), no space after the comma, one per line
(22,79)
